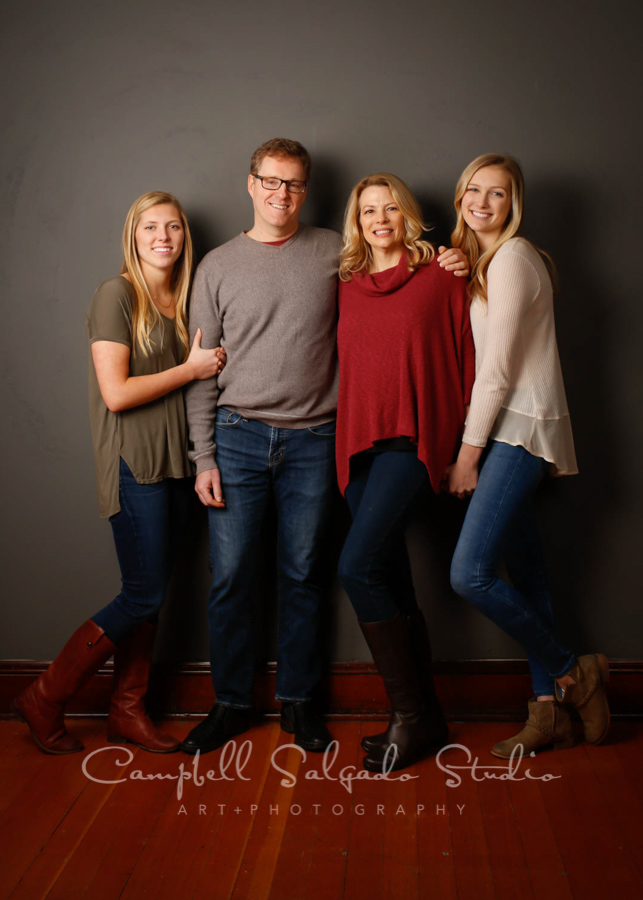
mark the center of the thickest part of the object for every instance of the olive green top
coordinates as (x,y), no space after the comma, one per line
(152,438)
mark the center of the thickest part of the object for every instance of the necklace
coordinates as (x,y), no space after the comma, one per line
(163,305)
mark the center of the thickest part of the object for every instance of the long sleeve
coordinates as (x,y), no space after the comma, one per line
(467,353)
(513,284)
(201,396)
(275,311)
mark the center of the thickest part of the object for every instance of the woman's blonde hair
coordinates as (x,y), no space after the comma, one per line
(146,315)
(464,238)
(356,253)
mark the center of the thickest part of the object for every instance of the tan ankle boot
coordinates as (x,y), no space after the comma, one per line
(548,723)
(587,695)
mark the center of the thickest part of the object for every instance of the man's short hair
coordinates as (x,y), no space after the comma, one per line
(281,147)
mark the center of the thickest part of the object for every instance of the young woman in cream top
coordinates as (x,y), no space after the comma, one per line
(517,431)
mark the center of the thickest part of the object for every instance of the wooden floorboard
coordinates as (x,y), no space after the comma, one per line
(330,849)
(586,829)
(567,826)
(312,861)
(470,848)
(436,861)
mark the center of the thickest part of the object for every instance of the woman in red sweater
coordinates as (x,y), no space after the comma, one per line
(398,426)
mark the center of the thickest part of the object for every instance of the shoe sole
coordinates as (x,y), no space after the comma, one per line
(371,742)
(37,742)
(551,745)
(424,751)
(118,739)
(376,740)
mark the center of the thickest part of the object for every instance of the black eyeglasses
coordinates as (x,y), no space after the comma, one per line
(273,184)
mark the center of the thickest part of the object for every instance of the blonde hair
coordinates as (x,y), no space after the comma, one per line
(464,238)
(146,315)
(356,255)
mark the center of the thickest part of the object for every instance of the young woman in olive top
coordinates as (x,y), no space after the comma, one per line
(140,360)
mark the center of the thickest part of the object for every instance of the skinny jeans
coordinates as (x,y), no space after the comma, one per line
(374,567)
(500,524)
(146,530)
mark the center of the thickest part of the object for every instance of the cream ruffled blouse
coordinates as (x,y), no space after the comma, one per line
(519,397)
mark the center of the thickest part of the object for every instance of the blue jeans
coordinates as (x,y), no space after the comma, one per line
(374,567)
(146,532)
(501,525)
(297,467)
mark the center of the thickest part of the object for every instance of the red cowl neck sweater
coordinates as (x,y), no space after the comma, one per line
(406,364)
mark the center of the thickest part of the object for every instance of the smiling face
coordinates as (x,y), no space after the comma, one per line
(381,221)
(486,204)
(159,237)
(276,212)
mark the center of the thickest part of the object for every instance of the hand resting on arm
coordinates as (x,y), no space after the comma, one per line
(122,391)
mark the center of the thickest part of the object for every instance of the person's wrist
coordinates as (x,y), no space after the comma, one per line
(190,370)
(469,455)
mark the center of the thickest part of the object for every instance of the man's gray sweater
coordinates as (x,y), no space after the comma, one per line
(274,309)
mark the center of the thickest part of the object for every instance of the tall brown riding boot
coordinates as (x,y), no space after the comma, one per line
(42,704)
(423,658)
(587,695)
(409,734)
(128,722)
(548,723)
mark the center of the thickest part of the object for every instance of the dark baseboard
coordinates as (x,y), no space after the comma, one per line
(468,689)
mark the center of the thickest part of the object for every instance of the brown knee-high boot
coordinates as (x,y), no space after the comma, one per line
(409,735)
(421,652)
(128,722)
(42,704)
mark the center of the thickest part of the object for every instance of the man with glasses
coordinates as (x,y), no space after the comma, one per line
(269,295)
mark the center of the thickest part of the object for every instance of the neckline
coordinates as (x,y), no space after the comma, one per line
(162,315)
(387,281)
(271,246)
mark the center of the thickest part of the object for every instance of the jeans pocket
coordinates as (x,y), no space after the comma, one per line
(227,417)
(325,430)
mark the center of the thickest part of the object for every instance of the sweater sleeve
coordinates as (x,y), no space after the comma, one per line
(201,396)
(512,286)
(467,351)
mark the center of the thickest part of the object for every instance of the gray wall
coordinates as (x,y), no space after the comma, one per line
(103,101)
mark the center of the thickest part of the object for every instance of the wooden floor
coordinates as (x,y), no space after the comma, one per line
(578,834)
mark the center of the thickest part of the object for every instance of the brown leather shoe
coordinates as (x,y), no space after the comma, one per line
(128,722)
(42,704)
(548,723)
(587,695)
